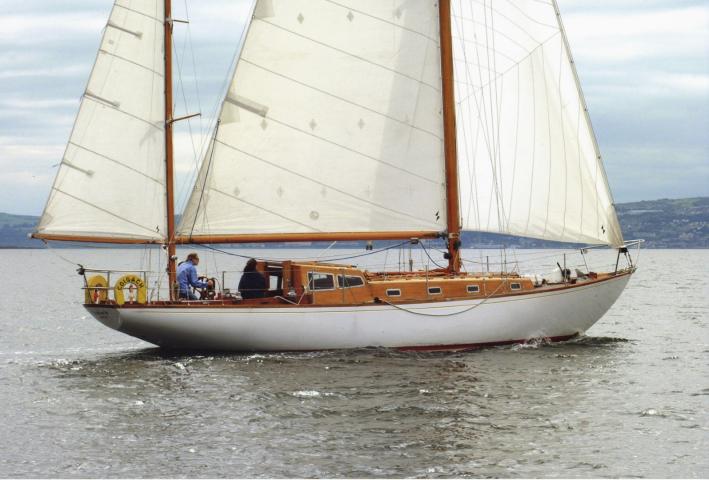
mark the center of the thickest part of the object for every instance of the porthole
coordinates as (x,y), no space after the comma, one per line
(515,286)
(434,290)
(393,292)
(473,288)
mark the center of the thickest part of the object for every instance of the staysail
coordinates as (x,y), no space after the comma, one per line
(528,161)
(111,181)
(332,123)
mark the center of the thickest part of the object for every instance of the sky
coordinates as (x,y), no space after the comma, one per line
(643,64)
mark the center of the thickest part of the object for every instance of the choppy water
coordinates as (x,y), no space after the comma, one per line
(629,400)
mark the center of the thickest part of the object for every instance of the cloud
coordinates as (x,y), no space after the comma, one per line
(23,30)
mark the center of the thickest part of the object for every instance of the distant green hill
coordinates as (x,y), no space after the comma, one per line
(666,223)
(681,223)
(14,230)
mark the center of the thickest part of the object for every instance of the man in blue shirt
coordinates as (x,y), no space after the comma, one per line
(187,277)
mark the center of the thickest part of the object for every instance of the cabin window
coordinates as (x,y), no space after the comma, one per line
(393,292)
(515,286)
(434,290)
(321,281)
(473,288)
(349,281)
(274,273)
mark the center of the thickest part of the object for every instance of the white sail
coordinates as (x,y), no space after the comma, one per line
(332,123)
(111,181)
(528,161)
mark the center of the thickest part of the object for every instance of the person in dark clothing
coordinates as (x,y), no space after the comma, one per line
(252,283)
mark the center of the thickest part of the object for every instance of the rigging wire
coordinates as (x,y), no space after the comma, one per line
(467,309)
(53,250)
(195,152)
(329,259)
(423,247)
(214,116)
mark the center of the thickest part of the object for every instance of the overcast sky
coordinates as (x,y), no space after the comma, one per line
(644,67)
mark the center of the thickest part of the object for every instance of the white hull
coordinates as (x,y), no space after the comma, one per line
(556,314)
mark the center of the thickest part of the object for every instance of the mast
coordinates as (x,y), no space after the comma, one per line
(169,181)
(449,136)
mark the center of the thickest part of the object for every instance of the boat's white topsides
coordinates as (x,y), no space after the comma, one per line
(553,313)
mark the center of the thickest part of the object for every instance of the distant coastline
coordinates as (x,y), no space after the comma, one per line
(664,223)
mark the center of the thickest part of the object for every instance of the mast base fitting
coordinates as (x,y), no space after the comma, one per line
(447,255)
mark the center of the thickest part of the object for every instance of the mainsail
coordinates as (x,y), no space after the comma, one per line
(332,123)
(528,161)
(111,181)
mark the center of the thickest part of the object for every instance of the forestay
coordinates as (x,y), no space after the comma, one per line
(111,181)
(528,161)
(332,123)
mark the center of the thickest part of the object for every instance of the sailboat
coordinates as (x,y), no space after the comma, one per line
(347,120)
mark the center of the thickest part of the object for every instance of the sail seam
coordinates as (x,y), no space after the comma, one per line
(117,162)
(265,210)
(331,47)
(361,154)
(513,22)
(148,122)
(465,120)
(474,42)
(550,187)
(106,211)
(516,65)
(435,40)
(305,177)
(508,37)
(106,52)
(481,108)
(527,16)
(433,134)
(139,13)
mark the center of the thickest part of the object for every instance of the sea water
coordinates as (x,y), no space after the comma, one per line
(80,400)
